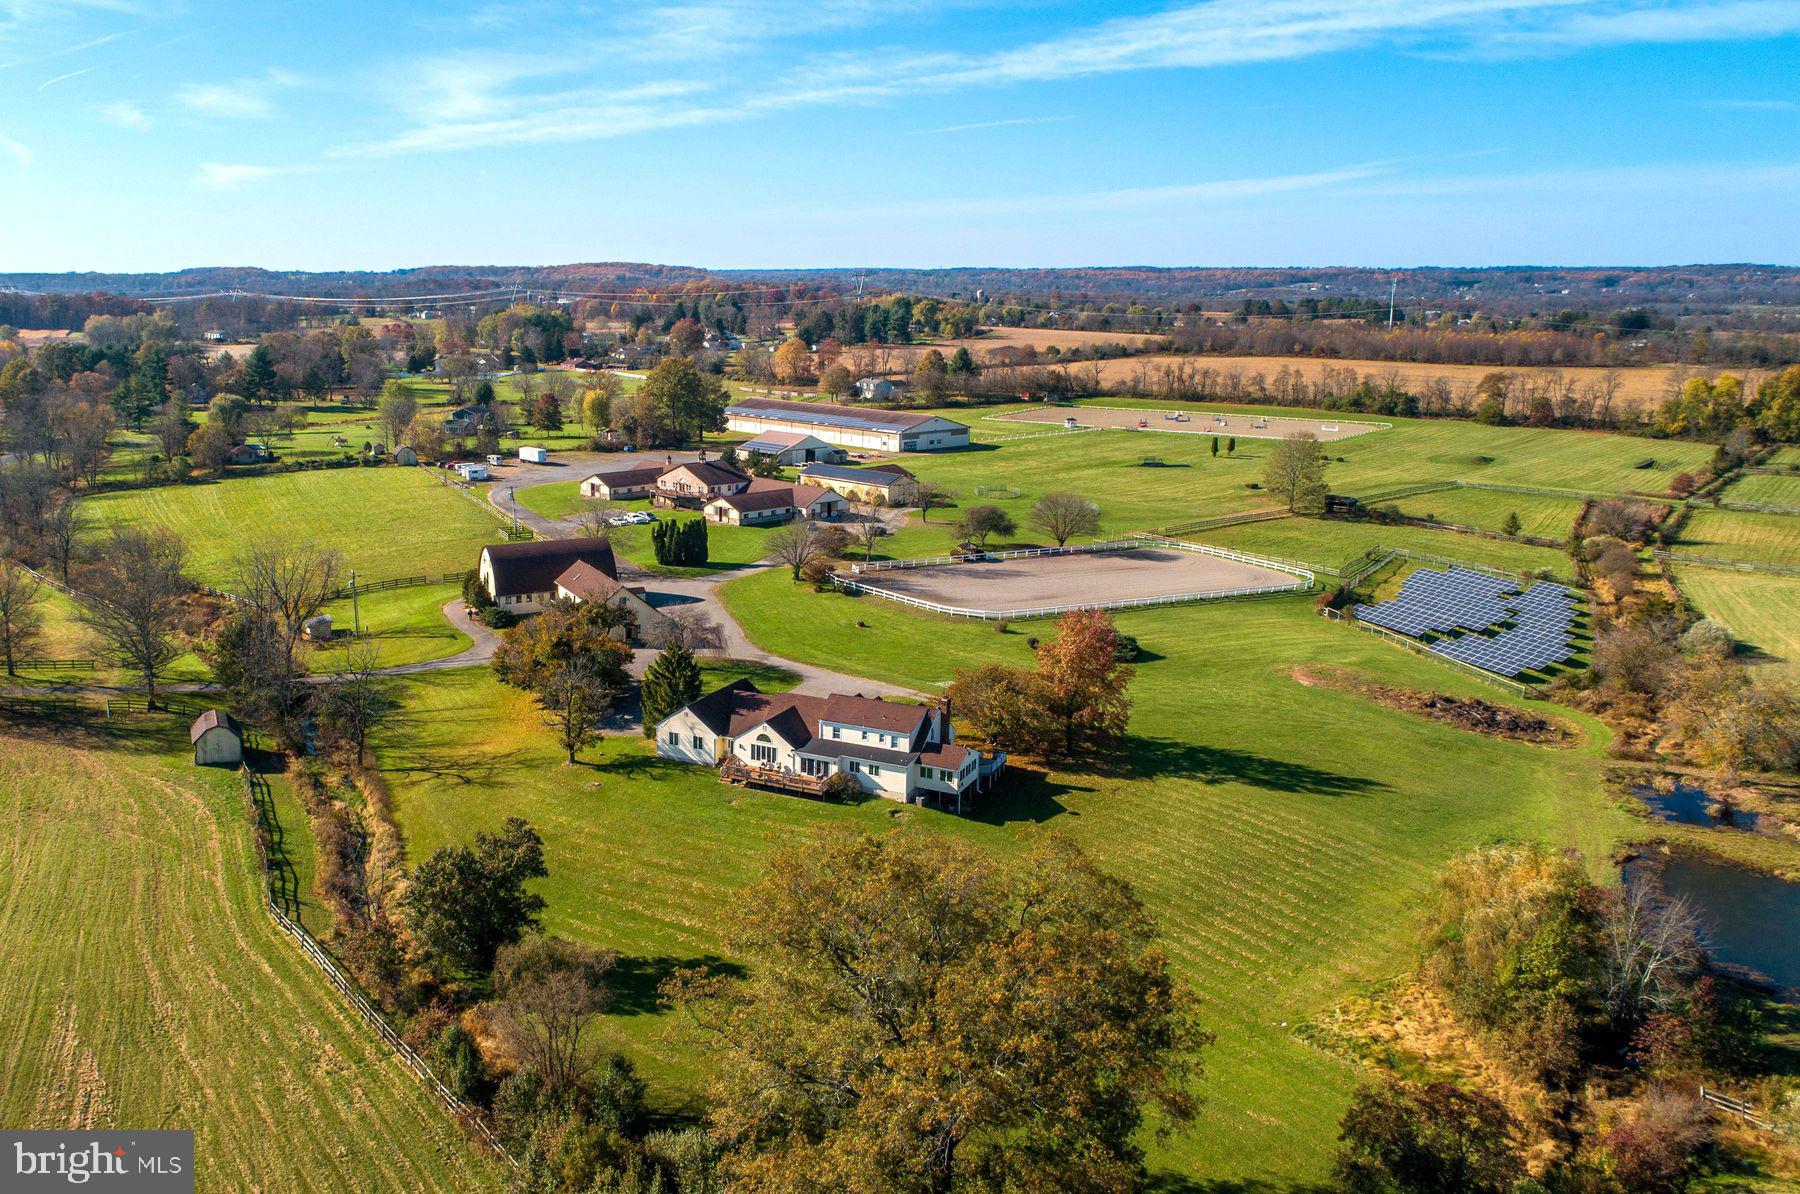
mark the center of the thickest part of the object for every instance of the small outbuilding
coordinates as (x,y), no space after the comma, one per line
(218,739)
(317,629)
(404,455)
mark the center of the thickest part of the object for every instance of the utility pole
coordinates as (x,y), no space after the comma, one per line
(1393,288)
(514,501)
(355,608)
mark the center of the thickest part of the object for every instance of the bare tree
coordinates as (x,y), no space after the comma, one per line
(576,696)
(794,544)
(596,518)
(133,602)
(356,700)
(691,627)
(867,529)
(21,624)
(1652,947)
(550,991)
(927,496)
(64,527)
(289,586)
(1063,516)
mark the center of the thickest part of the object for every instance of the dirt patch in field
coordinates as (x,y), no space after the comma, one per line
(1465,713)
(1194,422)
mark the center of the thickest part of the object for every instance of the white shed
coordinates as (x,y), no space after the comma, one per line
(534,455)
(317,629)
(218,739)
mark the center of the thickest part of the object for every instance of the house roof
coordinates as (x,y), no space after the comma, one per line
(708,473)
(627,477)
(887,475)
(825,414)
(587,582)
(533,566)
(214,719)
(782,440)
(764,494)
(740,706)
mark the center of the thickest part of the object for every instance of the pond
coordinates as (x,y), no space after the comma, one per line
(1752,920)
(1685,804)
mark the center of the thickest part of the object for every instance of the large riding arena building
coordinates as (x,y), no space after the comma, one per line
(849,426)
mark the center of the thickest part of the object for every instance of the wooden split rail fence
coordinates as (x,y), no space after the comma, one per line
(1734,1106)
(359,1003)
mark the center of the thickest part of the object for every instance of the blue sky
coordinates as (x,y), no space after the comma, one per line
(143,134)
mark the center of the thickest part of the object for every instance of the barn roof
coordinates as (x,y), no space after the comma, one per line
(214,719)
(520,569)
(825,414)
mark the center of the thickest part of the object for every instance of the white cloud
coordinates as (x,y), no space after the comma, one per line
(223,176)
(61,78)
(479,98)
(987,124)
(240,99)
(126,114)
(17,150)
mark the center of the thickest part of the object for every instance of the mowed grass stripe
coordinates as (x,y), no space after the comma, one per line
(185,1007)
(386,522)
(1740,535)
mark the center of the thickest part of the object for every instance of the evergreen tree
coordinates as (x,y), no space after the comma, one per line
(1215,445)
(260,382)
(669,683)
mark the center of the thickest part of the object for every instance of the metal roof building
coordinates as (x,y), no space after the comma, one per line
(849,426)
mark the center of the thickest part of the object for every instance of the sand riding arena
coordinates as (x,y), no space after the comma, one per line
(1190,422)
(1042,582)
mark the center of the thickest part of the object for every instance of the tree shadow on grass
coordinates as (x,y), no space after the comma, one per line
(1024,794)
(1160,758)
(1176,1183)
(633,981)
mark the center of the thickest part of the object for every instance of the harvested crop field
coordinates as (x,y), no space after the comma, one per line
(1033,585)
(1195,422)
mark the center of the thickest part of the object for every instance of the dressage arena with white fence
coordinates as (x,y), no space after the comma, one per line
(1043,582)
(1227,424)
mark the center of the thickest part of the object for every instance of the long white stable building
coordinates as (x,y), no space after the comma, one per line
(849,426)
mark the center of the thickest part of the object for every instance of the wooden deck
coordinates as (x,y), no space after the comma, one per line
(741,775)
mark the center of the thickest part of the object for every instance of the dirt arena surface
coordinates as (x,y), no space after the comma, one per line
(1013,587)
(1199,422)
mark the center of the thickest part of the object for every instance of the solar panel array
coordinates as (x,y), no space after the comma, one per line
(1466,610)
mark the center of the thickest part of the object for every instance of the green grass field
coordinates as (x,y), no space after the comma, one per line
(1539,516)
(148,988)
(386,522)
(1330,544)
(1762,612)
(406,626)
(1766,489)
(1738,535)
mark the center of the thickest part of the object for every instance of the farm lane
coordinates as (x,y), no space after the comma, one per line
(567,466)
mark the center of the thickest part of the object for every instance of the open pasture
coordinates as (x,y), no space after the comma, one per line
(1029,585)
(1765,489)
(1539,516)
(1330,544)
(1198,421)
(1761,612)
(147,986)
(1742,536)
(386,522)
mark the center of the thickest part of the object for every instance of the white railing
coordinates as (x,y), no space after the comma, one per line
(1143,412)
(1049,611)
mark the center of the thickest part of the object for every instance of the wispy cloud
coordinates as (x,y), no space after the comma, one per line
(226,176)
(477,99)
(48,83)
(239,99)
(17,150)
(126,114)
(987,124)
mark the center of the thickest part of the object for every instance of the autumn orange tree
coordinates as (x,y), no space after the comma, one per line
(793,361)
(1073,702)
(923,1017)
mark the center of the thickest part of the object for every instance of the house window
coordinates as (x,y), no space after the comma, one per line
(698,744)
(836,732)
(874,770)
(674,738)
(762,754)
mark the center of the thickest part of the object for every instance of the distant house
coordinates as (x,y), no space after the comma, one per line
(584,582)
(218,739)
(247,454)
(791,447)
(623,483)
(849,426)
(764,501)
(880,389)
(464,420)
(901,752)
(875,485)
(523,577)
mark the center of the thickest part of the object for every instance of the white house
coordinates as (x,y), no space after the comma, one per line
(583,582)
(764,500)
(623,483)
(878,484)
(880,389)
(795,742)
(218,739)
(849,426)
